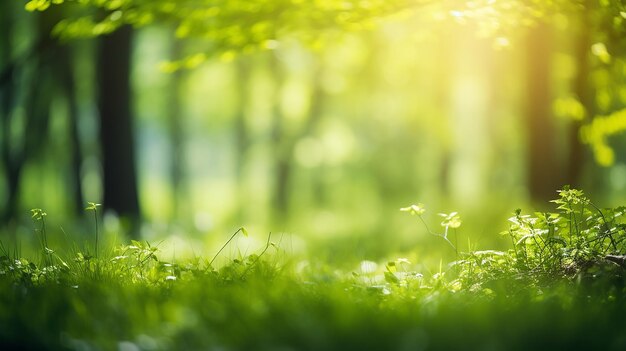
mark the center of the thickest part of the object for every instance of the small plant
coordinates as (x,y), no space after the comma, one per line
(39,216)
(92,206)
(255,258)
(450,221)
(578,240)
(241,230)
(577,237)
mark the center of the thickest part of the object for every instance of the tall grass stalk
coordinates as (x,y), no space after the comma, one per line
(242,230)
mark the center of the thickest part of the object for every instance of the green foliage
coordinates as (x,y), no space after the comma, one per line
(450,221)
(228,27)
(573,242)
(557,260)
(568,242)
(414,209)
(577,241)
(599,130)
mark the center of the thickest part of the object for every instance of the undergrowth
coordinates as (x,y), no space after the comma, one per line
(571,261)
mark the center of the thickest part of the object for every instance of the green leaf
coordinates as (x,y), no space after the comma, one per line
(244,231)
(38,213)
(391,278)
(37,5)
(92,206)
(451,220)
(414,209)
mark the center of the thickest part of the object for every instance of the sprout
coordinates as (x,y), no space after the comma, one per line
(451,220)
(92,206)
(414,209)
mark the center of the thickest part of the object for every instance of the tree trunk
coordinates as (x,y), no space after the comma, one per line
(176,134)
(116,126)
(282,151)
(583,92)
(318,103)
(64,69)
(285,142)
(544,175)
(6,106)
(241,131)
(16,149)
(242,136)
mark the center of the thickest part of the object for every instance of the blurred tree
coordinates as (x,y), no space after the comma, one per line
(544,172)
(63,67)
(286,135)
(442,90)
(176,133)
(601,81)
(582,89)
(318,101)
(116,125)
(11,163)
(229,28)
(242,134)
(34,80)
(283,147)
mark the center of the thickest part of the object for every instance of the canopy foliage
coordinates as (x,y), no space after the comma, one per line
(227,28)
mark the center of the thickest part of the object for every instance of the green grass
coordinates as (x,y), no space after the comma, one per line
(560,286)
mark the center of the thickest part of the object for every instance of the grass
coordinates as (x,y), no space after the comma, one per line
(559,286)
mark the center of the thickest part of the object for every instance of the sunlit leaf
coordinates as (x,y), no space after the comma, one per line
(414,209)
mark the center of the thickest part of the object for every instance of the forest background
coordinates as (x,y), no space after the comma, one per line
(317,120)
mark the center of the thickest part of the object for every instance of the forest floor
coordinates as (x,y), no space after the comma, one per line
(561,286)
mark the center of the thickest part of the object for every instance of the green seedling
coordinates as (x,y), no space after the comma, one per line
(39,216)
(92,206)
(451,220)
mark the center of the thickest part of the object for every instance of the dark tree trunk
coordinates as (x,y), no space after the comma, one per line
(50,77)
(64,63)
(116,125)
(6,105)
(544,175)
(34,87)
(583,92)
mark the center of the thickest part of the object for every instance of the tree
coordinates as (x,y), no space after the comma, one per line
(229,27)
(583,91)
(606,114)
(544,171)
(11,163)
(176,132)
(43,74)
(116,124)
